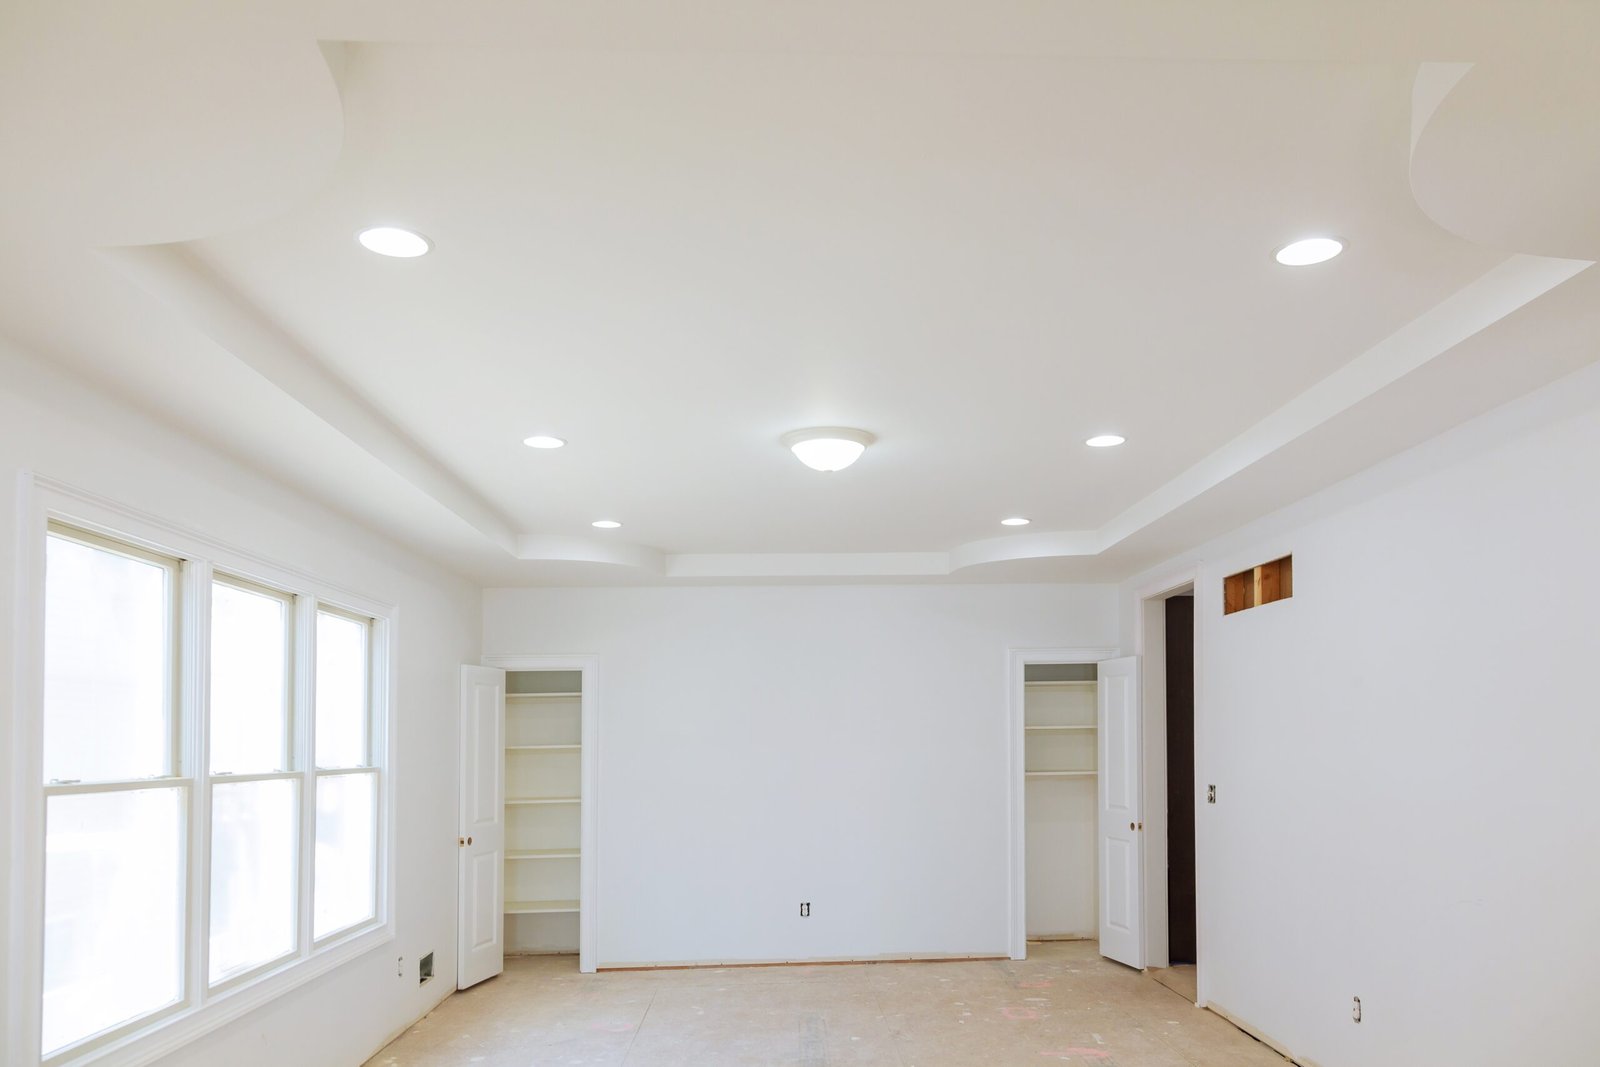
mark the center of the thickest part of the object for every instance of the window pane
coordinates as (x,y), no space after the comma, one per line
(106,668)
(341,691)
(249,681)
(347,852)
(113,910)
(253,882)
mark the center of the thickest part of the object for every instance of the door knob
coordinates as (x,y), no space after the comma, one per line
(1131,826)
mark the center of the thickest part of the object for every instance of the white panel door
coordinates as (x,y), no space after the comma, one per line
(1121,814)
(480,894)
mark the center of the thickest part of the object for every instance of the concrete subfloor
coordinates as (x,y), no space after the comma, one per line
(1064,1004)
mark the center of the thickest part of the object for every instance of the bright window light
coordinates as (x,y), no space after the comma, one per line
(249,680)
(254,828)
(344,870)
(346,863)
(107,664)
(113,909)
(341,691)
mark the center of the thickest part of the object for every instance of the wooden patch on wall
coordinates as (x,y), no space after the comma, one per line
(1261,584)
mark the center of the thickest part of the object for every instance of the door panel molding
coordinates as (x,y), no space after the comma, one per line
(480,848)
(1121,812)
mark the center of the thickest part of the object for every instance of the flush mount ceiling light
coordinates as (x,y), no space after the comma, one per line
(1105,440)
(1308,252)
(1015,520)
(393,241)
(606,524)
(828,448)
(542,441)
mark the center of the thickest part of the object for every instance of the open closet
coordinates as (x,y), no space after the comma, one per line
(1060,720)
(543,783)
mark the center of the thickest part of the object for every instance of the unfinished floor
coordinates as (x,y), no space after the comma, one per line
(1064,1004)
(1182,978)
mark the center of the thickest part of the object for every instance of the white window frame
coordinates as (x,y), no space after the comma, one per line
(298,720)
(203,1007)
(316,774)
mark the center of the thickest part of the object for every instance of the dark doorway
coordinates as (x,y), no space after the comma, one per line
(1180,779)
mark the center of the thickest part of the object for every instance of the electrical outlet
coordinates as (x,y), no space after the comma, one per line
(805,910)
(425,969)
(1355,1012)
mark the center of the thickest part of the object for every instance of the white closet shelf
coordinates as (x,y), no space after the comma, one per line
(543,748)
(1059,774)
(542,854)
(541,696)
(540,907)
(1052,729)
(541,800)
(1063,682)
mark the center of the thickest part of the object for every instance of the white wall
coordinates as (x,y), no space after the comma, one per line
(759,747)
(56,428)
(1406,754)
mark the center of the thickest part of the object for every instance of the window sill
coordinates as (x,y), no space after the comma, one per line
(172,1032)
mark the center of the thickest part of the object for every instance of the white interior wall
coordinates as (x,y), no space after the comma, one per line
(764,746)
(55,427)
(1405,753)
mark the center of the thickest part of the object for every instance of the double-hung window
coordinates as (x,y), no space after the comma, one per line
(255,791)
(116,799)
(212,763)
(346,781)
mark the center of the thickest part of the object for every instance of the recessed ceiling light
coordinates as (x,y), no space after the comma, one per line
(393,241)
(1311,250)
(606,524)
(1105,440)
(541,441)
(828,448)
(1016,520)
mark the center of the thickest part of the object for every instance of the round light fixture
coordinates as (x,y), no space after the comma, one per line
(393,241)
(543,441)
(1310,251)
(606,524)
(828,448)
(1015,520)
(1105,440)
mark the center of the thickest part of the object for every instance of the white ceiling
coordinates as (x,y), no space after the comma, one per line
(983,235)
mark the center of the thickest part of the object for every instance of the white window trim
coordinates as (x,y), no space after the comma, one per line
(204,1009)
